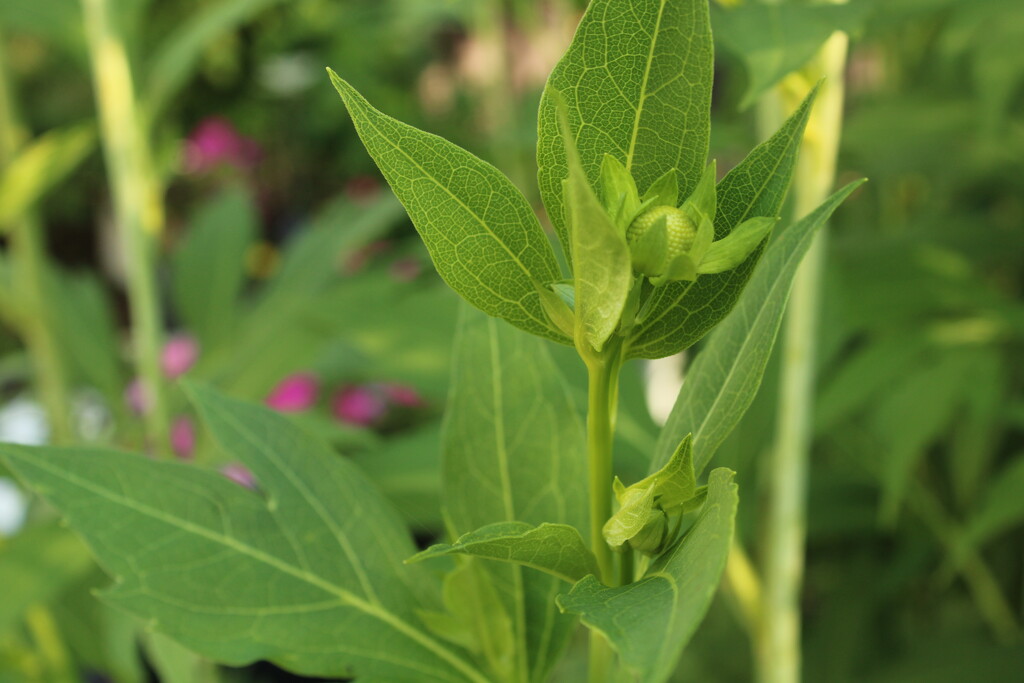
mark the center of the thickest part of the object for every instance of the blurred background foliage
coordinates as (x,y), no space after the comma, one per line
(289,275)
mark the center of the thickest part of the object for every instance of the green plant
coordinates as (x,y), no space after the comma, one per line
(309,570)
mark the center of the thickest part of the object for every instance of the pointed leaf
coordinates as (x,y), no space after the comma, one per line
(637,80)
(665,190)
(724,378)
(636,504)
(650,621)
(557,549)
(306,574)
(618,191)
(734,248)
(513,450)
(680,313)
(481,233)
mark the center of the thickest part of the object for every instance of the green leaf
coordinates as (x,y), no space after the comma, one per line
(650,621)
(680,313)
(637,81)
(475,618)
(636,505)
(35,566)
(305,573)
(480,231)
(177,57)
(208,268)
(724,378)
(41,166)
(774,40)
(602,266)
(1002,506)
(174,663)
(513,450)
(665,190)
(618,191)
(557,549)
(734,248)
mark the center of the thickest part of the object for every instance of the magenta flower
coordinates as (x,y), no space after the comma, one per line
(215,142)
(179,355)
(359,405)
(240,474)
(183,437)
(294,393)
(406,269)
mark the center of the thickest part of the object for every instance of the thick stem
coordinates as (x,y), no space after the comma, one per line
(137,204)
(778,647)
(33,319)
(603,379)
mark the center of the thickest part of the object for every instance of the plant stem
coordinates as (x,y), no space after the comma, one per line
(778,640)
(43,629)
(602,401)
(34,319)
(137,203)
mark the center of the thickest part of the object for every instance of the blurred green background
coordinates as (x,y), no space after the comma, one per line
(287,273)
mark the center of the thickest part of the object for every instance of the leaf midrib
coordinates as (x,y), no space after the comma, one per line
(643,87)
(371,609)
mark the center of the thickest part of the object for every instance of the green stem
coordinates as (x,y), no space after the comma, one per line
(602,401)
(43,629)
(33,319)
(137,203)
(778,638)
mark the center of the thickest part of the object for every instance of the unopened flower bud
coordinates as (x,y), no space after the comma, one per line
(679,229)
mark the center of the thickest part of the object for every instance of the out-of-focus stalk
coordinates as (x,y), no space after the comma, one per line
(778,637)
(31,313)
(138,207)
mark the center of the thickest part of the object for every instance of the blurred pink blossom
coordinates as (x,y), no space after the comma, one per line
(402,395)
(362,189)
(294,393)
(183,437)
(215,142)
(136,397)
(240,474)
(179,355)
(359,405)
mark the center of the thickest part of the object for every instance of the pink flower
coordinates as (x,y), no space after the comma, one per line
(137,397)
(359,405)
(215,142)
(179,355)
(294,393)
(183,437)
(362,189)
(402,395)
(240,474)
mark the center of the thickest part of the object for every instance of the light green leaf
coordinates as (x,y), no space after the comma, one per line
(637,81)
(475,618)
(208,268)
(305,573)
(680,313)
(602,266)
(636,504)
(40,167)
(665,190)
(174,663)
(35,566)
(558,310)
(176,58)
(734,248)
(480,231)
(513,451)
(618,191)
(650,621)
(557,549)
(724,378)
(774,40)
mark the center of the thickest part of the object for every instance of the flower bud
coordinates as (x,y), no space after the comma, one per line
(680,230)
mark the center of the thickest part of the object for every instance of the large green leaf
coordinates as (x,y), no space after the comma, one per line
(1002,506)
(209,265)
(482,234)
(307,572)
(680,313)
(650,621)
(513,450)
(557,549)
(724,378)
(637,81)
(776,39)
